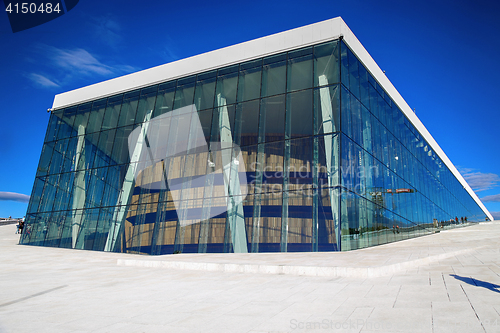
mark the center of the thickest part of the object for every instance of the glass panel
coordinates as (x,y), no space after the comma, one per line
(139,228)
(271,162)
(28,226)
(266,229)
(300,163)
(82,117)
(299,74)
(328,160)
(353,73)
(344,67)
(300,221)
(349,221)
(299,114)
(64,191)
(249,83)
(53,126)
(36,195)
(249,156)
(101,234)
(129,108)
(120,152)
(86,235)
(184,93)
(112,112)
(346,112)
(355,109)
(49,191)
(272,119)
(95,188)
(165,99)
(326,63)
(366,121)
(105,144)
(273,76)
(166,220)
(205,90)
(364,86)
(328,219)
(327,110)
(206,123)
(246,127)
(222,120)
(227,81)
(43,165)
(96,115)
(39,229)
(146,103)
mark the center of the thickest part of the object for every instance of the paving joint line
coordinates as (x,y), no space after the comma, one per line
(32,296)
(480,322)
(446,287)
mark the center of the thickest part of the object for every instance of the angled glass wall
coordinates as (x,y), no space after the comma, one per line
(298,151)
(394,186)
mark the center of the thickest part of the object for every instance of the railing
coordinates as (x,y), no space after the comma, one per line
(9,221)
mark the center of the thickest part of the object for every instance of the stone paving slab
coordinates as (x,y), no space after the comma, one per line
(445,282)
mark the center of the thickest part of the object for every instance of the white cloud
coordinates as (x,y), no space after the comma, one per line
(11,196)
(106,29)
(79,60)
(42,80)
(68,65)
(491,198)
(496,215)
(479,181)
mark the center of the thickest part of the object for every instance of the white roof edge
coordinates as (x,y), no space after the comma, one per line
(272,44)
(280,42)
(377,73)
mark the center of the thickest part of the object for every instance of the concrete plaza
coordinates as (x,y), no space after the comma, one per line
(445,282)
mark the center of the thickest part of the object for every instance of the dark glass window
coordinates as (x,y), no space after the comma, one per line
(274,75)
(246,127)
(272,119)
(129,108)
(249,81)
(300,70)
(299,114)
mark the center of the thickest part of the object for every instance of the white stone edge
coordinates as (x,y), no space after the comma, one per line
(280,42)
(304,270)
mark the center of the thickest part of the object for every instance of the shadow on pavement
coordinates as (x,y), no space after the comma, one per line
(477,283)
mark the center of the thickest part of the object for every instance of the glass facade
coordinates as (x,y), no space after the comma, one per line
(298,151)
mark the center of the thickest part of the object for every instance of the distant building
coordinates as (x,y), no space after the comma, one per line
(292,142)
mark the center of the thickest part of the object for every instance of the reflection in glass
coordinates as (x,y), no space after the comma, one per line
(245,158)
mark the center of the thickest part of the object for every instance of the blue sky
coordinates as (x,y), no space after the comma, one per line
(442,56)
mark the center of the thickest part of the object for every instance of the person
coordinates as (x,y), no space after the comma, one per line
(18,227)
(456,219)
(21,225)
